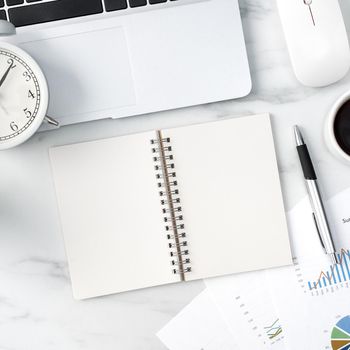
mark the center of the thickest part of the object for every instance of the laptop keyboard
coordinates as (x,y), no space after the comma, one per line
(28,12)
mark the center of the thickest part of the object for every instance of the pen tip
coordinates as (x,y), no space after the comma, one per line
(334,258)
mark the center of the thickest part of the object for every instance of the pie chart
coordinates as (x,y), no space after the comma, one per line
(340,338)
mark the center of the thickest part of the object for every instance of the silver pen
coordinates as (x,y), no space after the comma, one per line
(319,213)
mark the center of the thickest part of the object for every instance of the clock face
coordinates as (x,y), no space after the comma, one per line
(21,95)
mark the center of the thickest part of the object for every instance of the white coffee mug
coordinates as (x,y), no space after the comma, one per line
(330,138)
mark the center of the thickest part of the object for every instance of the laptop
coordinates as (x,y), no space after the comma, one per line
(118,58)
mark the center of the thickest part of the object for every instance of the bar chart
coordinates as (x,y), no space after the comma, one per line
(334,275)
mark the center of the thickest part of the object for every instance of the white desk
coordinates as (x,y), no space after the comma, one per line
(36,307)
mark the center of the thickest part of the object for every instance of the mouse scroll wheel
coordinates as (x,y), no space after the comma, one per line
(308,2)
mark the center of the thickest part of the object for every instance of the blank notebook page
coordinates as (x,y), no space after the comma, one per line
(111,212)
(111,215)
(230,196)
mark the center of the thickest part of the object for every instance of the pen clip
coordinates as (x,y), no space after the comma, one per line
(318,231)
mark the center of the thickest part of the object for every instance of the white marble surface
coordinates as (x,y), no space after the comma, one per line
(36,307)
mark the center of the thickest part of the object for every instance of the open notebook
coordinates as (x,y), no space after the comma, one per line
(170,205)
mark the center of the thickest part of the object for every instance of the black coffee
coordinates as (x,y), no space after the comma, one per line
(342,127)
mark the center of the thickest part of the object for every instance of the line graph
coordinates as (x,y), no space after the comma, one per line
(273,330)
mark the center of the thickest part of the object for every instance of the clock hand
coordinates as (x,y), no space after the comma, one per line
(6,73)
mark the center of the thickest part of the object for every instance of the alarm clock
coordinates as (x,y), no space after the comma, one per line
(24,93)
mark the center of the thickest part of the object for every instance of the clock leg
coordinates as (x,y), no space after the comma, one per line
(51,121)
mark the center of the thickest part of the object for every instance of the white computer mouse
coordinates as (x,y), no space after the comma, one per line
(317,40)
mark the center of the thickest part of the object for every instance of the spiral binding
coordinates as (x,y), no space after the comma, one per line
(170,200)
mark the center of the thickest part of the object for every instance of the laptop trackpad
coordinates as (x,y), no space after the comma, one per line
(86,72)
